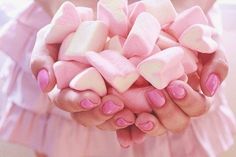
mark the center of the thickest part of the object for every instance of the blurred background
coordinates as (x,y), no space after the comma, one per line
(9,8)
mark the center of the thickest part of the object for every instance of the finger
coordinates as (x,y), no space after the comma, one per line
(137,135)
(191,102)
(42,60)
(109,107)
(73,101)
(149,124)
(124,137)
(121,120)
(213,73)
(194,81)
(169,114)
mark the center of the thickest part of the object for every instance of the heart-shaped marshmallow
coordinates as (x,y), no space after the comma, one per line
(90,36)
(65,71)
(166,41)
(89,79)
(65,21)
(116,43)
(185,19)
(163,10)
(134,10)
(114,14)
(189,61)
(163,67)
(115,68)
(199,38)
(142,37)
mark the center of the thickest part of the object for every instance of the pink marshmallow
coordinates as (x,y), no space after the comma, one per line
(166,41)
(85,14)
(116,69)
(189,61)
(64,46)
(65,71)
(135,99)
(163,10)
(89,79)
(134,10)
(142,37)
(64,22)
(163,67)
(194,15)
(114,14)
(90,36)
(116,43)
(199,38)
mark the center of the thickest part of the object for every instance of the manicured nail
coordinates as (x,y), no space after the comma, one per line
(110,108)
(176,91)
(86,104)
(121,122)
(212,83)
(146,126)
(156,98)
(43,79)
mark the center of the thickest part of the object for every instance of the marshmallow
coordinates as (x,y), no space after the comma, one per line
(163,67)
(115,68)
(156,49)
(135,99)
(89,79)
(142,37)
(163,10)
(65,21)
(166,41)
(65,71)
(114,14)
(199,38)
(134,10)
(185,19)
(64,46)
(116,43)
(85,14)
(90,36)
(189,61)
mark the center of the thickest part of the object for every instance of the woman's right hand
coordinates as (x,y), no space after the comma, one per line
(86,107)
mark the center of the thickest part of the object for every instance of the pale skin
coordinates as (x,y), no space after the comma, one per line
(189,103)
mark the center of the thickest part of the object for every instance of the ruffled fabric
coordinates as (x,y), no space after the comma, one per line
(19,82)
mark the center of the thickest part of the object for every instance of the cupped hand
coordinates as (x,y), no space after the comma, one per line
(86,107)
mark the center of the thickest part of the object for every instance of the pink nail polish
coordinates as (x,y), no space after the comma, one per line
(212,83)
(156,98)
(121,122)
(109,108)
(43,79)
(146,126)
(176,91)
(86,104)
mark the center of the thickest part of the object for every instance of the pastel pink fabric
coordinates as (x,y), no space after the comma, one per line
(30,120)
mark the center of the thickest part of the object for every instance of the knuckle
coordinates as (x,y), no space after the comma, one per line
(181,125)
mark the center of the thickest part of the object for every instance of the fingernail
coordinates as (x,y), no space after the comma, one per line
(43,79)
(121,122)
(176,91)
(212,83)
(86,104)
(146,126)
(110,108)
(156,98)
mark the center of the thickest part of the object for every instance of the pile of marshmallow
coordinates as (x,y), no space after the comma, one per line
(127,46)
